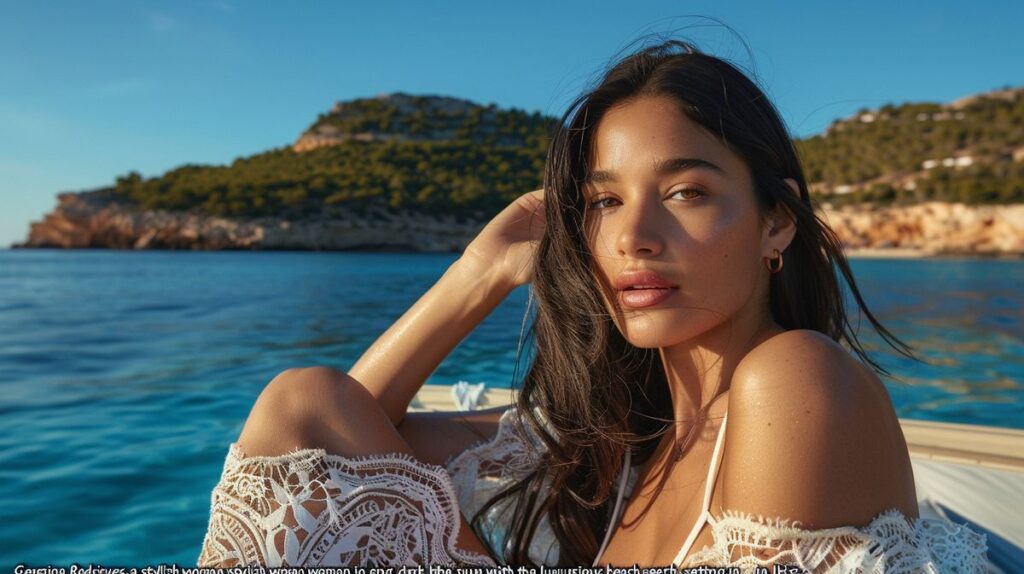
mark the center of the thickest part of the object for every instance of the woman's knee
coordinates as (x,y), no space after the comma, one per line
(303,390)
(296,406)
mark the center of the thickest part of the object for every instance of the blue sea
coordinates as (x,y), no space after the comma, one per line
(124,375)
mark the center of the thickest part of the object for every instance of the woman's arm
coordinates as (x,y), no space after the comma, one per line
(394,368)
(499,259)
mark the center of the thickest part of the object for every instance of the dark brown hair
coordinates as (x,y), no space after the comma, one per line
(599,394)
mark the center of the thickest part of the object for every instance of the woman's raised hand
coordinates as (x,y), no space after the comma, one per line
(498,259)
(507,243)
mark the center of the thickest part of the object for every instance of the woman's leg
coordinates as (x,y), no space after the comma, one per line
(321,407)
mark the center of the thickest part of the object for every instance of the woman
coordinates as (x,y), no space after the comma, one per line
(675,218)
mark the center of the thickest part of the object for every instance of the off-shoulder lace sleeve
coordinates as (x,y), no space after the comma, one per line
(487,468)
(309,507)
(889,544)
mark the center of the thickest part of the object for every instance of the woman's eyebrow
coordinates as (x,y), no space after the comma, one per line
(663,167)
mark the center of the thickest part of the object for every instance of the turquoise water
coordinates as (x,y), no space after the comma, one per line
(124,375)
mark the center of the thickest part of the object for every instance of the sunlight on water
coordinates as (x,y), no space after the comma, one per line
(125,375)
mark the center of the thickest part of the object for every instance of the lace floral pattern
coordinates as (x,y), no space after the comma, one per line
(313,508)
(890,543)
(309,508)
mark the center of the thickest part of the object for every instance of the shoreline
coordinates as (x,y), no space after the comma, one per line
(891,253)
(851,253)
(917,253)
(918,231)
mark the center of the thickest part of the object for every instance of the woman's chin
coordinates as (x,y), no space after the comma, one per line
(649,339)
(645,333)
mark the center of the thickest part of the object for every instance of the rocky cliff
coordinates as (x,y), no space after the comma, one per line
(95,219)
(932,228)
(92,219)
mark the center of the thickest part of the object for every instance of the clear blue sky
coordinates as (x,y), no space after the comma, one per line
(92,90)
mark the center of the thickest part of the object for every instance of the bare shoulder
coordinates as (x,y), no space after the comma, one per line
(813,436)
(801,361)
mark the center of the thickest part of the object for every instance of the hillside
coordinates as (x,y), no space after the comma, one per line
(409,170)
(403,117)
(428,154)
(971,151)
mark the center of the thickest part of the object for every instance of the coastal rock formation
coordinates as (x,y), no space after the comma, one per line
(83,220)
(932,228)
(94,219)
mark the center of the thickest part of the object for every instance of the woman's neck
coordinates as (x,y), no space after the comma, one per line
(699,370)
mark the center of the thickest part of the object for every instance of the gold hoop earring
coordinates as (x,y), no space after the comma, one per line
(769,262)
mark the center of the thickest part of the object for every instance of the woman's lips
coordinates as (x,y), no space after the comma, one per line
(640,298)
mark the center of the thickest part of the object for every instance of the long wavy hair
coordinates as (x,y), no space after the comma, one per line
(598,394)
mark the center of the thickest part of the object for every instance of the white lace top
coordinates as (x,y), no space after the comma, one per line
(310,507)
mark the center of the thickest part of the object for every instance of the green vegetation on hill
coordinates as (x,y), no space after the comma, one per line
(448,156)
(437,118)
(457,178)
(879,151)
(998,183)
(461,159)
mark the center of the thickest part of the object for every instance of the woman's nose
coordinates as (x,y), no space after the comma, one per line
(638,232)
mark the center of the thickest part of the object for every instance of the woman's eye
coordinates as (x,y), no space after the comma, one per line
(691,192)
(599,203)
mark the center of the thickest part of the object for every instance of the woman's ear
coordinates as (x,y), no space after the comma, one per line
(782,224)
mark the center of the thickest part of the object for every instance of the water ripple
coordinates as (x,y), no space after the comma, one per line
(124,376)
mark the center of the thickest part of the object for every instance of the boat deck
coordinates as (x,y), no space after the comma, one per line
(991,447)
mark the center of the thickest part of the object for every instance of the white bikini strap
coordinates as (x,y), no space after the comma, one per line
(716,461)
(708,488)
(618,506)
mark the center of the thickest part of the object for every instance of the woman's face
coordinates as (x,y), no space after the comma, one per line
(664,195)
